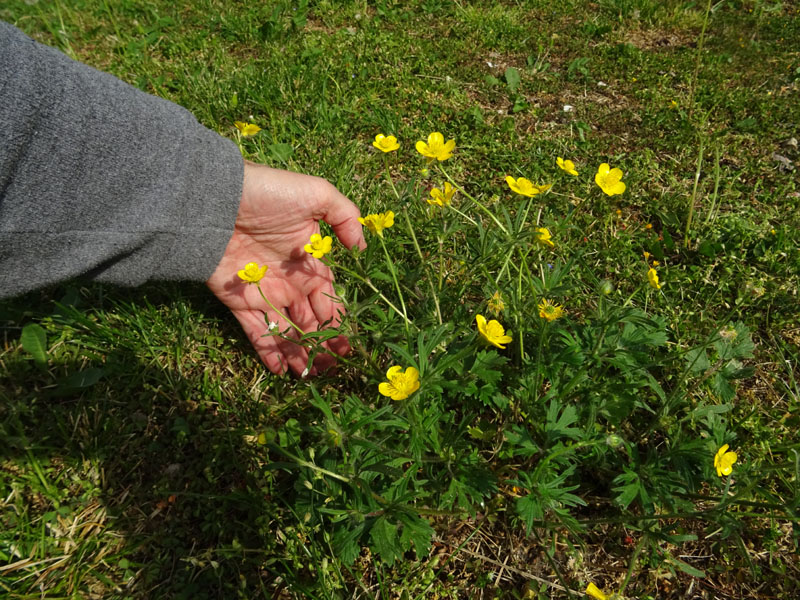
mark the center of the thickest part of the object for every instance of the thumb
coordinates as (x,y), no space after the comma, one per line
(342,215)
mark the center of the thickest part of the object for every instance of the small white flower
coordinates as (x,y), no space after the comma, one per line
(602,84)
(568,108)
(304,374)
(490,64)
(272,326)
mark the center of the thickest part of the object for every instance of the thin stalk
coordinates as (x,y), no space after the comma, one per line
(539,360)
(390,264)
(424,262)
(389,175)
(481,206)
(632,564)
(440,241)
(272,306)
(553,565)
(467,217)
(698,59)
(717,179)
(525,216)
(371,286)
(694,192)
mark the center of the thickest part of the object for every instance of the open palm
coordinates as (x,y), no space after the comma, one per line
(278,213)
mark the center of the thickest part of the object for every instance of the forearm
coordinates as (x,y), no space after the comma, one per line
(100,180)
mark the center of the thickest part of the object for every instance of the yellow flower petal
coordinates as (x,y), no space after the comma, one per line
(436,148)
(652,278)
(566,165)
(522,186)
(400,385)
(543,237)
(252,273)
(550,311)
(609,180)
(724,460)
(386,143)
(442,198)
(377,222)
(492,331)
(595,592)
(247,129)
(318,246)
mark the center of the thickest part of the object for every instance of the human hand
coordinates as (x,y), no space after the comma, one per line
(278,213)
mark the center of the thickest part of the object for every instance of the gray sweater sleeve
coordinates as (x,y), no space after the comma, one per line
(102,181)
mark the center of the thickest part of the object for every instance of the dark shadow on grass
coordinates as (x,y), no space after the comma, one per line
(175,462)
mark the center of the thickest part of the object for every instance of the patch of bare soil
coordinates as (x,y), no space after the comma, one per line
(656,39)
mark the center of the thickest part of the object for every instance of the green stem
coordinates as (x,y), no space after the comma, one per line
(693,198)
(553,565)
(467,217)
(272,306)
(424,263)
(390,264)
(698,59)
(725,499)
(389,176)
(632,564)
(371,286)
(481,206)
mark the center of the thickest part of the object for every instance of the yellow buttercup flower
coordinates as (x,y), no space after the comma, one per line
(386,143)
(376,223)
(652,277)
(598,594)
(550,311)
(723,461)
(609,180)
(566,165)
(247,129)
(524,187)
(442,198)
(318,246)
(492,332)
(543,236)
(252,273)
(401,384)
(436,148)
(496,304)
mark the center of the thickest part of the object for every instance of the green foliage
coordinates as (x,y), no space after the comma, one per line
(34,341)
(146,453)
